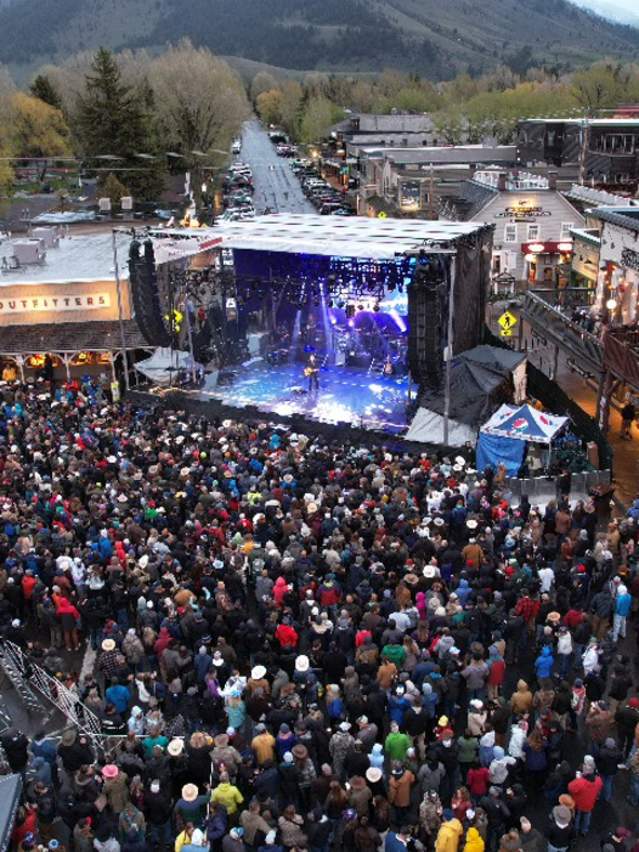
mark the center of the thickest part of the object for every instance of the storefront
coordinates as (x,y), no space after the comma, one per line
(533,225)
(617,288)
(585,265)
(68,312)
(547,264)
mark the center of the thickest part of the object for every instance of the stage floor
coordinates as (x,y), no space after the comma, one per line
(346,395)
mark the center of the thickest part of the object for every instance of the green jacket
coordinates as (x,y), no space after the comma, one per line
(395,653)
(468,749)
(396,746)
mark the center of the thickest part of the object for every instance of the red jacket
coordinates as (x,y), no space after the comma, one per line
(585,792)
(286,636)
(477,780)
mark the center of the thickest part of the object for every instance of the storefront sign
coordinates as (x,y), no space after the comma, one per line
(54,304)
(522,209)
(630,259)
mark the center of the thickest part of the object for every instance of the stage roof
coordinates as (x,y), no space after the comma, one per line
(343,236)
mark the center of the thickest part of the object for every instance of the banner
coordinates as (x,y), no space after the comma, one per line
(55,304)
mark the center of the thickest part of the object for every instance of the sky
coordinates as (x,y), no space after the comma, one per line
(616,9)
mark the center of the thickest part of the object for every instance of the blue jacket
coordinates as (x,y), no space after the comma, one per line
(119,696)
(623,604)
(544,663)
(392,844)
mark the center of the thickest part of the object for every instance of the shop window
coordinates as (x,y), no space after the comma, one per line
(510,233)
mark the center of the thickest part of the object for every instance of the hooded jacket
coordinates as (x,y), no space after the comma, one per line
(474,841)
(448,836)
(544,663)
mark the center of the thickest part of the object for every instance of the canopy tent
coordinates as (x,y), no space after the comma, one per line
(165,363)
(505,361)
(475,391)
(524,423)
(503,437)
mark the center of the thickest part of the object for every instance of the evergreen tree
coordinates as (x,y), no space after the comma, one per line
(113,119)
(44,89)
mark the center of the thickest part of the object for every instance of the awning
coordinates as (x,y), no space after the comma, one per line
(102,336)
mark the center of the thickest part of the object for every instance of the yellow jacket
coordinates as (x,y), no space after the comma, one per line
(182,839)
(448,836)
(474,841)
(228,795)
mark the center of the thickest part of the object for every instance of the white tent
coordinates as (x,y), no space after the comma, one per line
(428,428)
(164,364)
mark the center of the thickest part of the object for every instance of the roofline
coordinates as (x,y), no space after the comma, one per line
(615,216)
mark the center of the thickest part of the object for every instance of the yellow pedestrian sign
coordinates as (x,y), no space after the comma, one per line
(506,332)
(507,321)
(382,215)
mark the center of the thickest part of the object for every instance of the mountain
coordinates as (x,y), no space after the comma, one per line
(425,36)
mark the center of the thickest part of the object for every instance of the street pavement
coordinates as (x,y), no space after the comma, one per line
(276,187)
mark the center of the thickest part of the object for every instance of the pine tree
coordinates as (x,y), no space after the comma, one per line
(44,89)
(113,119)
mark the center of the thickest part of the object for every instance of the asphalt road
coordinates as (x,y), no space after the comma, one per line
(276,187)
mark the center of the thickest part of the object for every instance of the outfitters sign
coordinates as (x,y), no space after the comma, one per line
(54,304)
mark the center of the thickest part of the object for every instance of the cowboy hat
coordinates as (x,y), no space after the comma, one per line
(69,736)
(189,792)
(108,645)
(302,663)
(110,771)
(373,774)
(175,748)
(258,672)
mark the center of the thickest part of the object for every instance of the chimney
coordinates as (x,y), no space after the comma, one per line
(552,180)
(501,182)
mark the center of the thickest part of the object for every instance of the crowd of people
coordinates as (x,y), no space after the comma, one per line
(296,645)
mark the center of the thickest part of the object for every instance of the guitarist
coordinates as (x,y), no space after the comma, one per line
(311,372)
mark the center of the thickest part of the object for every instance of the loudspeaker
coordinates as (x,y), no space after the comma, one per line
(425,340)
(146,296)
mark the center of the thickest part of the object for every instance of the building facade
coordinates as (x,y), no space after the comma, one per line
(602,151)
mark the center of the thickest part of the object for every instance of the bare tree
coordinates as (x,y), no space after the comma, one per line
(201,105)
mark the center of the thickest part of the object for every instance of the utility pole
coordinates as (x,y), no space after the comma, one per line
(585,142)
(118,285)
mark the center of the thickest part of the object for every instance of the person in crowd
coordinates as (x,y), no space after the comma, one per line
(303,643)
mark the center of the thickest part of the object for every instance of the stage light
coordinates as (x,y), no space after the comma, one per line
(399,322)
(330,303)
(376,307)
(360,307)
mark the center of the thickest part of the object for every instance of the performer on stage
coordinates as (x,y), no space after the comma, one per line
(311,371)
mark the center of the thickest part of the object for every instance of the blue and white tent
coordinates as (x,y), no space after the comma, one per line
(524,423)
(502,439)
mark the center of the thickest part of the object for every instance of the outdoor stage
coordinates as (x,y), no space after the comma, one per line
(346,395)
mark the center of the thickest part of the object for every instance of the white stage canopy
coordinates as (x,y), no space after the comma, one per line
(333,236)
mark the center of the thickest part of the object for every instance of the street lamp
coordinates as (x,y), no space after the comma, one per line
(611,304)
